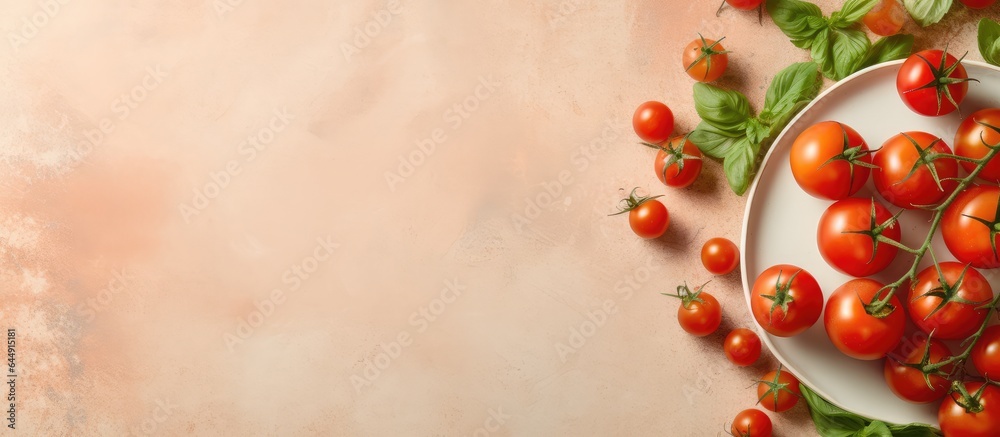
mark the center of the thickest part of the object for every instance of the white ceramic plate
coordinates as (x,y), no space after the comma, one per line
(780,222)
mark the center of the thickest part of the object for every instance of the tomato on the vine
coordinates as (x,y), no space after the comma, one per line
(778,391)
(786,300)
(886,18)
(932,82)
(978,4)
(910,173)
(720,256)
(678,162)
(856,333)
(653,122)
(830,160)
(742,347)
(851,236)
(647,217)
(908,382)
(972,411)
(986,353)
(971,225)
(949,301)
(977,133)
(705,59)
(700,313)
(751,423)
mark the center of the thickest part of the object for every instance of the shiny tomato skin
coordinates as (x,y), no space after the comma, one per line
(811,166)
(650,219)
(978,4)
(854,332)
(742,347)
(675,177)
(804,309)
(849,252)
(720,256)
(916,73)
(969,142)
(986,354)
(700,318)
(786,400)
(886,18)
(653,122)
(954,321)
(956,421)
(751,423)
(966,238)
(745,5)
(700,70)
(895,160)
(908,383)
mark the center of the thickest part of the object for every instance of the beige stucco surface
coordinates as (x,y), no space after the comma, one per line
(198,234)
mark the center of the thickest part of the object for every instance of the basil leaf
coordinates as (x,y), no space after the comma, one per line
(740,165)
(725,109)
(848,48)
(790,88)
(832,421)
(799,20)
(989,41)
(852,11)
(875,429)
(712,141)
(927,12)
(888,49)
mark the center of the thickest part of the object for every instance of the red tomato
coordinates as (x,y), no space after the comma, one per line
(705,59)
(969,226)
(742,347)
(932,82)
(848,232)
(751,423)
(646,215)
(907,382)
(830,160)
(778,391)
(786,300)
(986,353)
(720,256)
(856,333)
(911,152)
(978,4)
(982,421)
(969,142)
(886,18)
(745,5)
(653,122)
(950,320)
(700,313)
(678,163)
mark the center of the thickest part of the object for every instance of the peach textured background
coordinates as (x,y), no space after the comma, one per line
(122,302)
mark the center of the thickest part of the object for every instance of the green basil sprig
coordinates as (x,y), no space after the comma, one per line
(927,12)
(835,43)
(832,421)
(729,131)
(989,41)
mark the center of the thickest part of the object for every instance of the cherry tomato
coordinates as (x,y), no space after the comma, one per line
(986,353)
(646,215)
(907,382)
(886,18)
(705,59)
(653,122)
(720,256)
(922,84)
(969,226)
(778,391)
(751,423)
(848,236)
(983,421)
(856,333)
(745,5)
(700,313)
(978,4)
(830,160)
(742,347)
(903,153)
(786,300)
(678,163)
(948,318)
(969,142)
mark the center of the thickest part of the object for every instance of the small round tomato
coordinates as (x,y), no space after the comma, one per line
(705,59)
(786,300)
(700,313)
(973,139)
(646,215)
(932,83)
(952,317)
(742,347)
(751,423)
(653,122)
(830,160)
(986,353)
(907,382)
(856,333)
(778,391)
(720,256)
(678,163)
(903,175)
(745,5)
(848,236)
(970,226)
(978,4)
(886,18)
(982,421)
